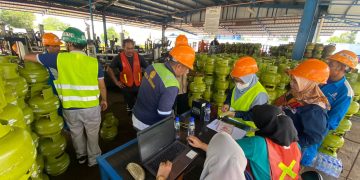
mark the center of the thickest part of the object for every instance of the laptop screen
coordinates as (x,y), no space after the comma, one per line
(153,139)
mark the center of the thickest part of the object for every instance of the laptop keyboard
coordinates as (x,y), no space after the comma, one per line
(168,155)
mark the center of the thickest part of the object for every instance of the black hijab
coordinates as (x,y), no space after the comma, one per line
(274,124)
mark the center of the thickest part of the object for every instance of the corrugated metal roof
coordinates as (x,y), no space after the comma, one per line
(244,17)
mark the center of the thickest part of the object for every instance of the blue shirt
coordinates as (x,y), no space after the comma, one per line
(310,122)
(50,62)
(154,101)
(339,95)
(255,150)
(51,78)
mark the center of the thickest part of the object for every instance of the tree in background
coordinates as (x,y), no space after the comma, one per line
(283,38)
(54,24)
(111,33)
(347,37)
(17,19)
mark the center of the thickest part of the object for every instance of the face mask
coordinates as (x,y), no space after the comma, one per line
(240,86)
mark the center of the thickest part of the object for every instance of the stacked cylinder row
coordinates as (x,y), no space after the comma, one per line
(33,106)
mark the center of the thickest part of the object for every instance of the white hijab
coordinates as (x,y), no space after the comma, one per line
(224,159)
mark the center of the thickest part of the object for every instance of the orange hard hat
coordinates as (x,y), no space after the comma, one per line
(244,66)
(50,39)
(184,55)
(14,48)
(181,40)
(313,70)
(346,57)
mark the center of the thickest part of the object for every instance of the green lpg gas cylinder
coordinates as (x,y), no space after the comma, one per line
(17,152)
(344,126)
(34,73)
(271,77)
(56,165)
(45,102)
(13,116)
(9,70)
(108,133)
(333,140)
(48,124)
(53,145)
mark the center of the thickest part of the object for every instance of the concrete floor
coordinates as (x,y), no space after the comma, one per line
(349,154)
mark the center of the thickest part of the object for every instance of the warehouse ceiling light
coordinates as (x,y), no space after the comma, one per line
(124,6)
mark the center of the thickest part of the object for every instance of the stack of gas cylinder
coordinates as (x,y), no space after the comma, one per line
(335,139)
(214,70)
(211,80)
(17,149)
(273,76)
(354,81)
(222,83)
(197,88)
(31,105)
(48,124)
(109,127)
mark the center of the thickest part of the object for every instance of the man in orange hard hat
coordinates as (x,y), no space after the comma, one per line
(338,90)
(160,87)
(52,46)
(51,42)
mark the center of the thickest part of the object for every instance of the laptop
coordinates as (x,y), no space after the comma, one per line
(158,143)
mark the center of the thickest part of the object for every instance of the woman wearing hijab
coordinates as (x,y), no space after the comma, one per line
(273,153)
(247,93)
(218,165)
(307,106)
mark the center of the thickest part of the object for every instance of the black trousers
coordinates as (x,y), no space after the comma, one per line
(130,95)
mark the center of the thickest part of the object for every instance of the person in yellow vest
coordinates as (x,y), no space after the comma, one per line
(79,84)
(130,64)
(160,87)
(247,93)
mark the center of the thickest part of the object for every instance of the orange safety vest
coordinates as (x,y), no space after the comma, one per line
(284,162)
(130,75)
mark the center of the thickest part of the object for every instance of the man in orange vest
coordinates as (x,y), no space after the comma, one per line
(129,63)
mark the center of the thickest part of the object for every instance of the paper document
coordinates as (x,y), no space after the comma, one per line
(220,126)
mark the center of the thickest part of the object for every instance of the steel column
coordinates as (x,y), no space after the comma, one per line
(163,28)
(105,30)
(319,30)
(314,26)
(92,20)
(305,27)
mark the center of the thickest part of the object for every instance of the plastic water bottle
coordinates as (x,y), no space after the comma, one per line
(177,127)
(191,128)
(336,168)
(207,113)
(328,165)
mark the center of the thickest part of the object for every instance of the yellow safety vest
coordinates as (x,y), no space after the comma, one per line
(166,76)
(77,83)
(245,101)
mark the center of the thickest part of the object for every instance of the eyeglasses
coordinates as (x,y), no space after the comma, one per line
(237,80)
